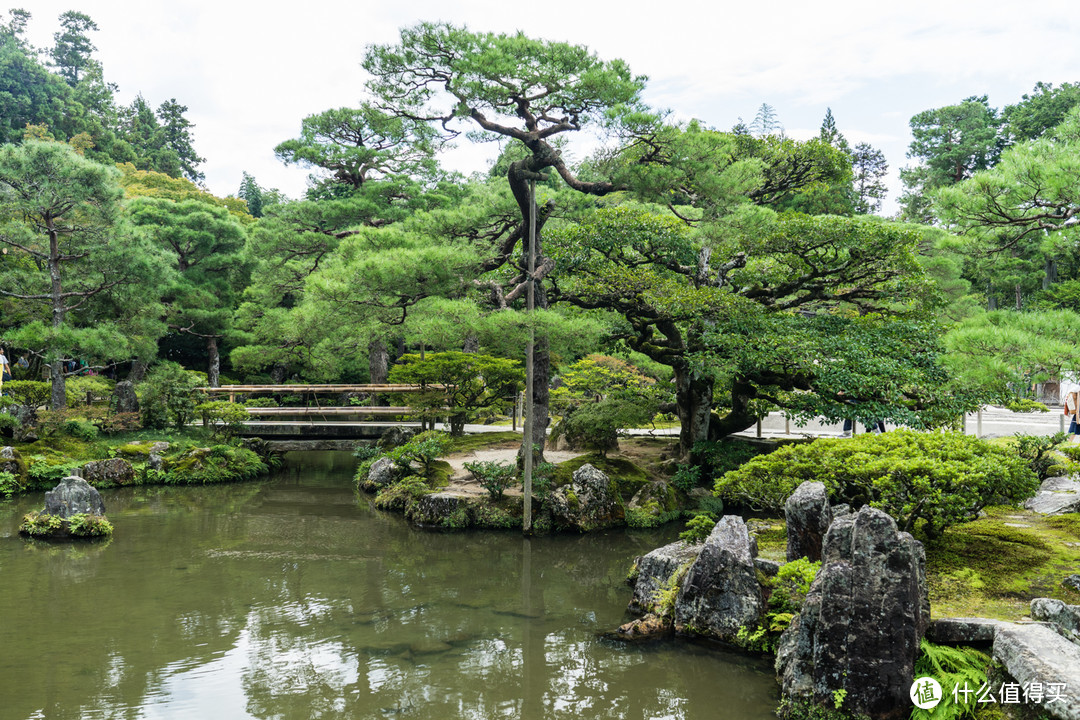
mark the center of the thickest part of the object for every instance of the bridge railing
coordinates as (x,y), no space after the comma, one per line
(336,411)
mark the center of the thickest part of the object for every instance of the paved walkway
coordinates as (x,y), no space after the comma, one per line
(991,422)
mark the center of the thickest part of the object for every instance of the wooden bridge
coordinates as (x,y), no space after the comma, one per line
(329,421)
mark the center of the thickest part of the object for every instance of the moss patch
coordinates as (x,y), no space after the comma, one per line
(628,476)
(994,566)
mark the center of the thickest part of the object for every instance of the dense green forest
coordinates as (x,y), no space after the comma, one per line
(710,274)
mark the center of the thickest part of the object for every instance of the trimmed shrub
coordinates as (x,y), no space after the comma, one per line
(28,392)
(167,395)
(938,478)
(423,449)
(225,419)
(1037,451)
(495,477)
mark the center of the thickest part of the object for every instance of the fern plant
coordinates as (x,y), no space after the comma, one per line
(952,667)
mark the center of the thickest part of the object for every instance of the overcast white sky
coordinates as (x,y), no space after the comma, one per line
(250,72)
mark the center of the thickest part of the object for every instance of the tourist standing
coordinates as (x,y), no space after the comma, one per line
(5,370)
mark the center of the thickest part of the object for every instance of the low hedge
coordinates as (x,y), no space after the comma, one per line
(937,478)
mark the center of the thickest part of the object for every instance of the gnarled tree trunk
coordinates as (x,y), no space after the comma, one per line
(213,372)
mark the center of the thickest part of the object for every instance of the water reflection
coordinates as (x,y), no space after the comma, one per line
(293,598)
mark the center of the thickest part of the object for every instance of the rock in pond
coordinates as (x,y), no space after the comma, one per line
(73,496)
(721,593)
(860,627)
(657,571)
(72,509)
(649,627)
(590,501)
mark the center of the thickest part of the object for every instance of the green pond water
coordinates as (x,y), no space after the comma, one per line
(294,598)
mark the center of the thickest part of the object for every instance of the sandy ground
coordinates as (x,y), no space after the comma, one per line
(462,483)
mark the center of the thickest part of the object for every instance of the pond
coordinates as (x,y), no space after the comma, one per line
(294,598)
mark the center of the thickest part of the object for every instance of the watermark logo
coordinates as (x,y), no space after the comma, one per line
(925,693)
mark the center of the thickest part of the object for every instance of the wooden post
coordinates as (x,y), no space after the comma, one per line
(527,445)
(978,423)
(787,424)
(759,427)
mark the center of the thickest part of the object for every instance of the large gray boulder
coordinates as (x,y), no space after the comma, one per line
(109,473)
(382,473)
(126,400)
(1056,496)
(71,497)
(860,627)
(658,571)
(1065,617)
(590,501)
(808,517)
(721,593)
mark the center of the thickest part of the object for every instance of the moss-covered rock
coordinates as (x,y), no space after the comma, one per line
(220,463)
(11,461)
(591,501)
(114,472)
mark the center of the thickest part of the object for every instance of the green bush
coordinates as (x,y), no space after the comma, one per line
(467,383)
(686,477)
(1025,405)
(41,474)
(261,402)
(939,478)
(398,496)
(8,422)
(167,396)
(83,525)
(225,419)
(1037,451)
(88,390)
(9,484)
(366,452)
(28,392)
(650,515)
(424,449)
(595,426)
(698,528)
(494,477)
(791,584)
(722,456)
(40,525)
(81,429)
(220,463)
